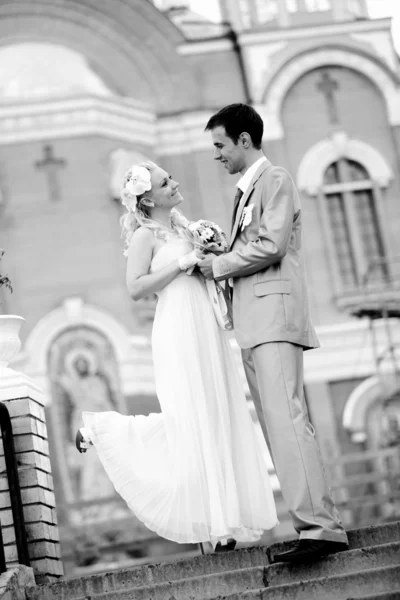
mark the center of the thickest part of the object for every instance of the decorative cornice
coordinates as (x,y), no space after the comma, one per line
(118,118)
(318,30)
(347,351)
(205,46)
(183,133)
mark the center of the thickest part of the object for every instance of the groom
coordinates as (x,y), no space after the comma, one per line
(272,323)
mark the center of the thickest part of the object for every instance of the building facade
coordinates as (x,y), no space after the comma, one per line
(87,89)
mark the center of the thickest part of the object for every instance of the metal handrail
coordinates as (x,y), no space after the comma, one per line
(15,490)
(3,565)
(376,298)
(379,261)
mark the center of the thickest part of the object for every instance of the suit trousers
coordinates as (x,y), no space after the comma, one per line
(274,372)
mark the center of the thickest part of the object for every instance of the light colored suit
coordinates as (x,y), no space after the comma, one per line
(273,327)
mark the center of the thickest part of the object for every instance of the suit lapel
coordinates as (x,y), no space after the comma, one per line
(245,197)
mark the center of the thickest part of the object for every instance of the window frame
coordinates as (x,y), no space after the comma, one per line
(346,189)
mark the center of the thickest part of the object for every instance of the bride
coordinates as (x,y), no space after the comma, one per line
(195,472)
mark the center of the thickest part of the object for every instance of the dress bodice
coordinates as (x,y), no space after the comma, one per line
(174,248)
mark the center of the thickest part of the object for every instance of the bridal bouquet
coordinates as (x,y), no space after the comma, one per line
(208,236)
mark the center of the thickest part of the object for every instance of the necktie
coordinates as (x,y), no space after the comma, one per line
(238,197)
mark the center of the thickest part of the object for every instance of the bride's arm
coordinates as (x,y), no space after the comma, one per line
(139,281)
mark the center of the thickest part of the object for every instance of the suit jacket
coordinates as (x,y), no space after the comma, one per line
(265,260)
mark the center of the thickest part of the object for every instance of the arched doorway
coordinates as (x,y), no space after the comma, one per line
(84,359)
(372,418)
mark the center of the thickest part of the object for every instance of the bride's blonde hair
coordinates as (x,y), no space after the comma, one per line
(132,220)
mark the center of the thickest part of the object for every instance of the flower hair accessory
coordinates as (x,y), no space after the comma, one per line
(136,181)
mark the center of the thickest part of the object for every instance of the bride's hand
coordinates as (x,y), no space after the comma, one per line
(200,254)
(190,260)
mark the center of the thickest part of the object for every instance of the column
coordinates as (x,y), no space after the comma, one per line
(283,14)
(230,12)
(339,10)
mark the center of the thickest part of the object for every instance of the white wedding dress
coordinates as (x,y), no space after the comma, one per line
(195,472)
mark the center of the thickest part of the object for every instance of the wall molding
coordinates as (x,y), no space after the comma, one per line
(320,30)
(116,118)
(310,174)
(276,90)
(183,134)
(366,394)
(119,118)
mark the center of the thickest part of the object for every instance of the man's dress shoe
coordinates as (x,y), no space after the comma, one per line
(310,550)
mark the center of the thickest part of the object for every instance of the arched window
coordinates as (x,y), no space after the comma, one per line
(351,213)
(257,12)
(308,5)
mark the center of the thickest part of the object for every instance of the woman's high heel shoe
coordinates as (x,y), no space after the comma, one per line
(83,439)
(230,545)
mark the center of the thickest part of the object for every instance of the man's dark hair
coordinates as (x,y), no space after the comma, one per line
(237,119)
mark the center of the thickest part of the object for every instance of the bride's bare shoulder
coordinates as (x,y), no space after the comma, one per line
(143,235)
(143,240)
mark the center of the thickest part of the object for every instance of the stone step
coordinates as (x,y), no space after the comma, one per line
(339,587)
(223,563)
(148,575)
(394,595)
(360,559)
(193,588)
(208,585)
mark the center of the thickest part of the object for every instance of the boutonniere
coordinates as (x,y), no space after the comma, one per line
(246,216)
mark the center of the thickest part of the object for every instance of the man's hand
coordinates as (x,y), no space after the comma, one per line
(205,266)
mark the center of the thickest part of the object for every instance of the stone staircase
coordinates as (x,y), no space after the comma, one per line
(370,570)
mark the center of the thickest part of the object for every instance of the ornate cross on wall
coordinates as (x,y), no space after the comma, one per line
(51,165)
(328,86)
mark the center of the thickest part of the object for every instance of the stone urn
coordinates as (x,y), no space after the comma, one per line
(9,341)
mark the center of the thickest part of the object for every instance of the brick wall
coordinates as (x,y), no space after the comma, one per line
(25,406)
